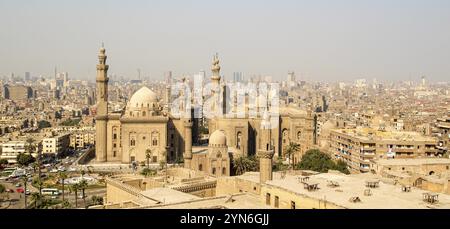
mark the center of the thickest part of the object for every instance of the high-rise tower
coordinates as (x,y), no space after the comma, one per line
(102,107)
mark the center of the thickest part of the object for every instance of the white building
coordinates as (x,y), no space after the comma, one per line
(56,144)
(11,149)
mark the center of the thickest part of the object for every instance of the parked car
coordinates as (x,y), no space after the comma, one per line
(18,185)
(9,190)
(27,192)
(20,190)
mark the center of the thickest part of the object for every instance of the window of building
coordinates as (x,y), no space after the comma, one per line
(114,153)
(114,136)
(239,140)
(155,159)
(200,167)
(267,198)
(224,170)
(214,171)
(133,142)
(114,145)
(292,204)
(277,202)
(143,114)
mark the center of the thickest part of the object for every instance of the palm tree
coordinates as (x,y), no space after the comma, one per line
(30,147)
(36,197)
(38,183)
(244,164)
(24,180)
(62,177)
(74,188)
(290,150)
(83,185)
(148,154)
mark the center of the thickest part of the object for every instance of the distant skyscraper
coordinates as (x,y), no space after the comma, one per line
(203,75)
(238,77)
(291,80)
(27,76)
(424,81)
(168,77)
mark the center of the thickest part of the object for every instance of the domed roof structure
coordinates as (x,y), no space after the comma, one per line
(218,138)
(144,97)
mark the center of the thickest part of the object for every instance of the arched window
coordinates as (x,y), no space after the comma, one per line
(239,140)
(200,167)
(155,138)
(299,135)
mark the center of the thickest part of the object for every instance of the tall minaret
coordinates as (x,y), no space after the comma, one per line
(266,150)
(102,107)
(187,156)
(215,78)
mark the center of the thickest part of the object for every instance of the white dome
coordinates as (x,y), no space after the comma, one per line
(144,97)
(218,138)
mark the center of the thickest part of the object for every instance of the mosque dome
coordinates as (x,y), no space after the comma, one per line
(143,98)
(218,138)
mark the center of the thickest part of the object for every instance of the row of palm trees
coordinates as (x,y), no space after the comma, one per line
(247,164)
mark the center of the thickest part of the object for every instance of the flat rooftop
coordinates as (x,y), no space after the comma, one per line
(417,162)
(386,196)
(168,195)
(238,201)
(388,135)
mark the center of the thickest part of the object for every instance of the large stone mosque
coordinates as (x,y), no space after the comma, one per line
(146,127)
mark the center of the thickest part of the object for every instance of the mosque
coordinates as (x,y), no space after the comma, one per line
(145,127)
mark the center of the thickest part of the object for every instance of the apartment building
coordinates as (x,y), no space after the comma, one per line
(11,149)
(56,144)
(359,146)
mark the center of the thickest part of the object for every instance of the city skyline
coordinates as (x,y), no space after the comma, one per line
(321,41)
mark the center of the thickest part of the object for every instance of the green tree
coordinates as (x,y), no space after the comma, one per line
(25,159)
(290,151)
(342,167)
(25,181)
(148,154)
(71,122)
(36,198)
(3,162)
(148,172)
(66,204)
(30,147)
(96,200)
(82,185)
(74,188)
(244,164)
(2,188)
(37,182)
(62,177)
(316,161)
(44,124)
(279,165)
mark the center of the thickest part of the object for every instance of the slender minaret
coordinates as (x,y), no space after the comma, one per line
(187,143)
(215,80)
(266,150)
(102,107)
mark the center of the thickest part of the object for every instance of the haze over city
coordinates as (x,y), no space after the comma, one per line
(319,40)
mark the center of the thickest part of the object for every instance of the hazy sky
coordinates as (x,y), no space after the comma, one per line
(319,40)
